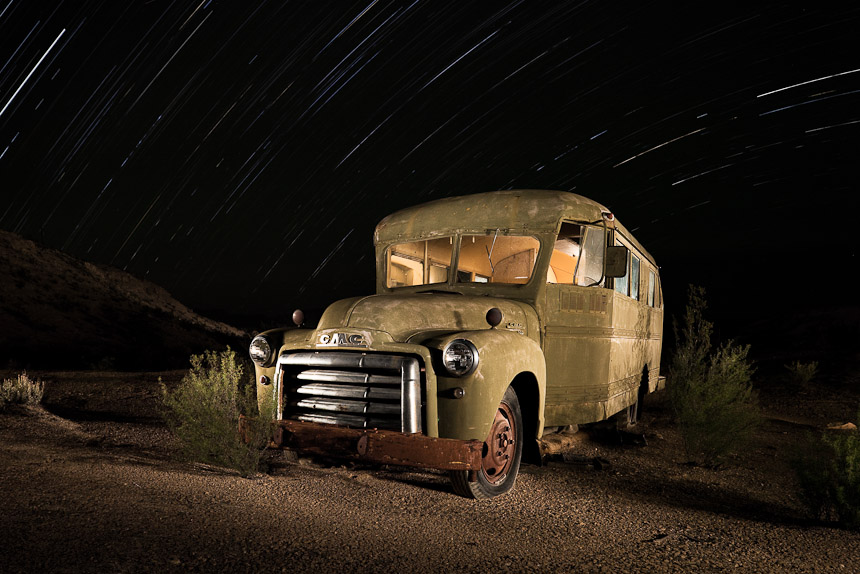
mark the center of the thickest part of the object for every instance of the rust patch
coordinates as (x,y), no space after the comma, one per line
(380,446)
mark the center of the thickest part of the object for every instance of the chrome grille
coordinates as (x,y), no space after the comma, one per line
(357,390)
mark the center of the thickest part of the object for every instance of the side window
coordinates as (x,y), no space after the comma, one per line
(589,267)
(565,254)
(634,277)
(652,287)
(622,284)
(419,262)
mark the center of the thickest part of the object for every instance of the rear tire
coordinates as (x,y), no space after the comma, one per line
(634,411)
(503,449)
(633,414)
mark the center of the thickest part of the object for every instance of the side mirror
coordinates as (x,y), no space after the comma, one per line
(616,261)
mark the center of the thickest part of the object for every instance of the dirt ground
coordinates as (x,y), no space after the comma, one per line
(89,485)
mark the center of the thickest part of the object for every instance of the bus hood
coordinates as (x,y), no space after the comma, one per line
(407,315)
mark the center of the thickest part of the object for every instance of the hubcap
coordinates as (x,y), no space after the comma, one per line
(499,447)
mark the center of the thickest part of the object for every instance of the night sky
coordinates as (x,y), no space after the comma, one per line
(240,153)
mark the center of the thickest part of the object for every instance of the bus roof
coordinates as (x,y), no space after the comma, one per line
(525,210)
(533,210)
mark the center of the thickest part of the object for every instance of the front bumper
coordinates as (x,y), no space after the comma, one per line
(378,446)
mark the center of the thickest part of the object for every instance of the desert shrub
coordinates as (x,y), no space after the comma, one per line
(104,364)
(203,412)
(21,390)
(711,392)
(828,472)
(802,373)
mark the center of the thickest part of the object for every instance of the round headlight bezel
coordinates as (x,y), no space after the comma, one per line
(260,350)
(465,348)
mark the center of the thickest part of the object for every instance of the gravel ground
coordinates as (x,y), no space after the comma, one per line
(91,487)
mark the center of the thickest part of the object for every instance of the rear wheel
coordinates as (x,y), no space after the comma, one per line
(634,411)
(502,452)
(633,414)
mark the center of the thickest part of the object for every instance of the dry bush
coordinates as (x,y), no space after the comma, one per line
(711,392)
(828,471)
(802,374)
(203,412)
(21,390)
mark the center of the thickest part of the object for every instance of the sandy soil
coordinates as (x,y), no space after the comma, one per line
(89,485)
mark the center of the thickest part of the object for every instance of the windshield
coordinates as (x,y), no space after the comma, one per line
(486,258)
(419,262)
(496,258)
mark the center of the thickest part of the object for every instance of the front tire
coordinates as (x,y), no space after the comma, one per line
(503,449)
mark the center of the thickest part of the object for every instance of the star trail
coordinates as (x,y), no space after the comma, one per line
(240,154)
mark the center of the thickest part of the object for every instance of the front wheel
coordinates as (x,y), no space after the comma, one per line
(503,449)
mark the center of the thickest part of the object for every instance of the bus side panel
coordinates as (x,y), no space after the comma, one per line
(577,345)
(629,351)
(597,343)
(654,345)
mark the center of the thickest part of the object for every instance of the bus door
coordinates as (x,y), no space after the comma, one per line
(577,315)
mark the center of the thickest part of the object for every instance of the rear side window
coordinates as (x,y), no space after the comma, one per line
(652,286)
(634,277)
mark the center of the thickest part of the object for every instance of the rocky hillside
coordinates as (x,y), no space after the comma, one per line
(57,311)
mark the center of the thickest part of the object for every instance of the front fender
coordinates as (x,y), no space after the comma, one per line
(503,357)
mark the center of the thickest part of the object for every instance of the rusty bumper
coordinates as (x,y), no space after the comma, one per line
(379,446)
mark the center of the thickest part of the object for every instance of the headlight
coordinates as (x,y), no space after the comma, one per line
(260,350)
(460,357)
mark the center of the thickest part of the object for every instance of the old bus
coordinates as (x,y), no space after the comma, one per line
(498,318)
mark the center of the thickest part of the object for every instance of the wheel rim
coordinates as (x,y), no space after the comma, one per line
(499,448)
